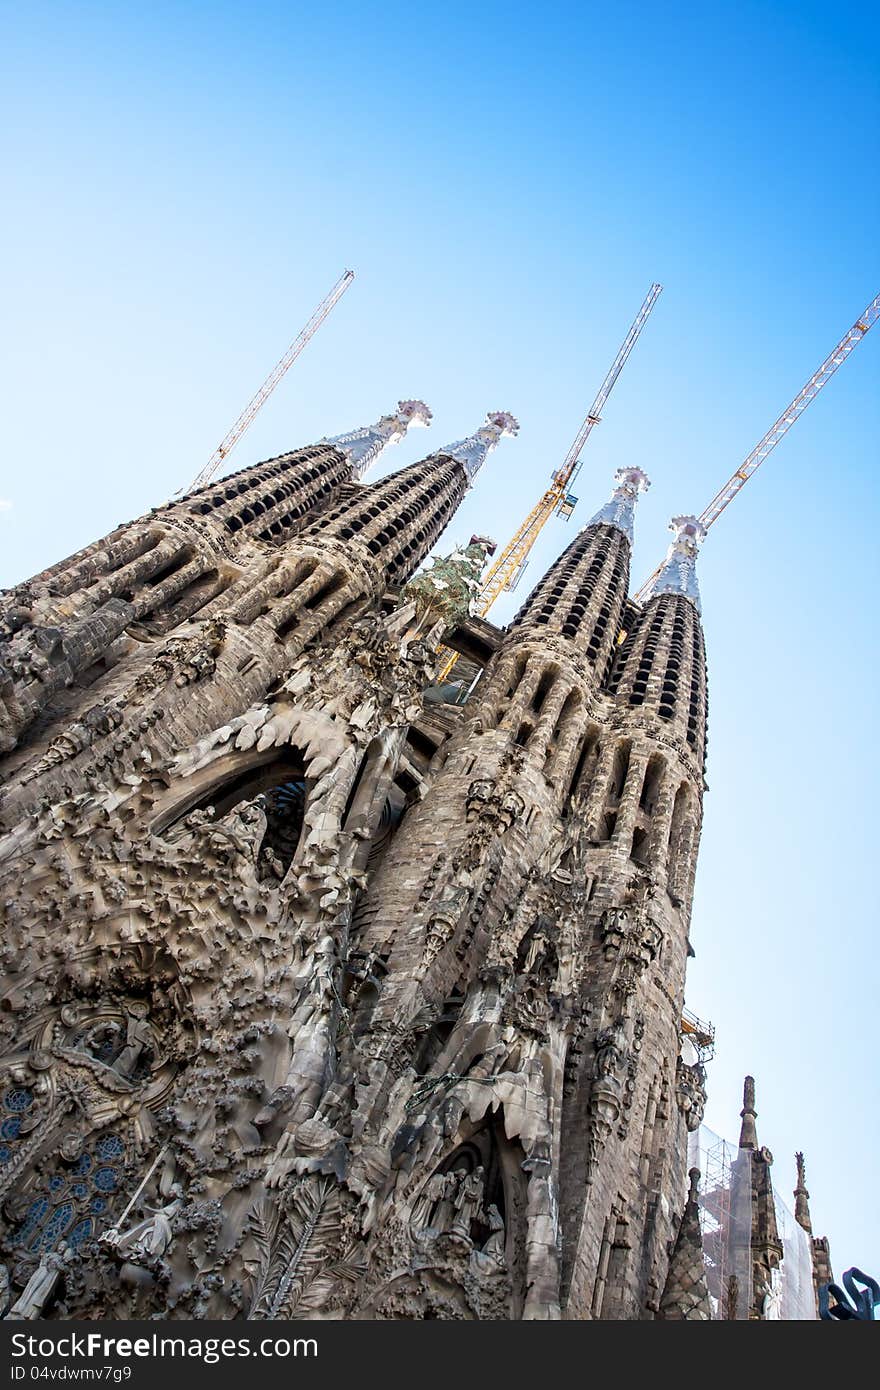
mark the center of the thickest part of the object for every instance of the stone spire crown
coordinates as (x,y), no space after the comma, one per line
(619,510)
(678,574)
(472,452)
(748,1135)
(363,446)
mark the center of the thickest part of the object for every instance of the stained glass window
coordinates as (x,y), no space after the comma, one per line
(72,1197)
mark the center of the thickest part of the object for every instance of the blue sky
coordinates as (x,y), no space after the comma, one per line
(183,184)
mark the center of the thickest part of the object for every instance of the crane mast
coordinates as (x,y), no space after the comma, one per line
(506,571)
(247,415)
(793,412)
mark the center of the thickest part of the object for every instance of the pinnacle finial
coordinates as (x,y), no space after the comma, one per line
(363,446)
(678,574)
(802,1196)
(415,413)
(748,1135)
(619,510)
(472,452)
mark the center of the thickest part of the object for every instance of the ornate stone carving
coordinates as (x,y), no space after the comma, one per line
(690,1092)
(379,1054)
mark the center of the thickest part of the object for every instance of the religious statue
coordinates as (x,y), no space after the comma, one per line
(610,1047)
(443,1216)
(138,1039)
(149,1238)
(41,1285)
(536,947)
(468,1202)
(491,1258)
(430,1195)
(771,1305)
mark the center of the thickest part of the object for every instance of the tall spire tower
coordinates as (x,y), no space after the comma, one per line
(148,576)
(241,633)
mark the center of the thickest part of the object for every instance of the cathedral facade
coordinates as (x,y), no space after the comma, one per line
(332,989)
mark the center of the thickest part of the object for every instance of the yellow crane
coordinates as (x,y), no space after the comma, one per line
(794,411)
(272,380)
(506,572)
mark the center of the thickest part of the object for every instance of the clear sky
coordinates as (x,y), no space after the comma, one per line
(183,183)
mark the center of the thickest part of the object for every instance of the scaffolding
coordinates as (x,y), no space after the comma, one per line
(725,1204)
(725,1222)
(700,1033)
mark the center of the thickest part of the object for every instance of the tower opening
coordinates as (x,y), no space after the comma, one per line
(583,768)
(651,784)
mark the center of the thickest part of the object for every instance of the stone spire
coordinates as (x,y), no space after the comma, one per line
(471,452)
(660,666)
(802,1197)
(766,1243)
(679,572)
(619,510)
(819,1248)
(748,1135)
(363,446)
(582,595)
(685,1296)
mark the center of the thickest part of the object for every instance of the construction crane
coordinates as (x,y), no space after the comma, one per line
(272,380)
(765,446)
(507,570)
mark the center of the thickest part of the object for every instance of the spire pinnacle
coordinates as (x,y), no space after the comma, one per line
(363,446)
(678,574)
(619,510)
(685,1295)
(802,1197)
(472,452)
(748,1135)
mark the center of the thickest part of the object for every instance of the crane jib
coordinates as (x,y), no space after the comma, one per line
(779,428)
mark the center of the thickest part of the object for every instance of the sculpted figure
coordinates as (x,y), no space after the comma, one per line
(430,1195)
(535,949)
(771,1306)
(196,823)
(443,1217)
(491,1259)
(610,1046)
(150,1237)
(244,826)
(479,794)
(443,921)
(613,927)
(512,807)
(40,1286)
(138,1038)
(468,1202)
